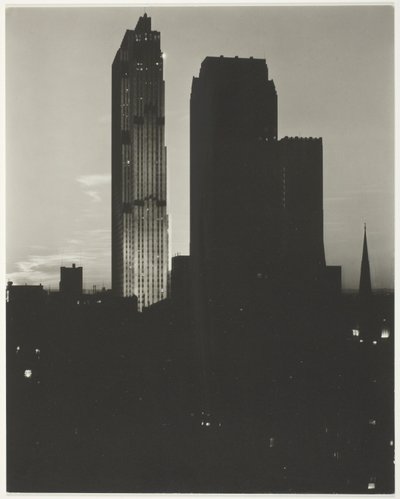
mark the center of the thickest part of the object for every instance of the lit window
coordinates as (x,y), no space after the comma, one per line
(356,332)
(28,373)
(385,333)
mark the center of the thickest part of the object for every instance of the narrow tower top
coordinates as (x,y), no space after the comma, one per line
(365,276)
(144,24)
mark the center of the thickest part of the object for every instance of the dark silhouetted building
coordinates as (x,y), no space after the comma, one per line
(333,278)
(139,179)
(256,201)
(300,165)
(234,201)
(32,295)
(180,279)
(71,281)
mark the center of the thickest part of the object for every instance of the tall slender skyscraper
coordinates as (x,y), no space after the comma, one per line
(233,115)
(139,178)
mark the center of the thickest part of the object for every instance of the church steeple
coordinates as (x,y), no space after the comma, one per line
(365,289)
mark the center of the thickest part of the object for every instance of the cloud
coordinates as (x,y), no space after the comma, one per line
(90,249)
(89,182)
(44,269)
(94,180)
(94,195)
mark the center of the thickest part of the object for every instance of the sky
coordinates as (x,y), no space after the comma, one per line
(333,71)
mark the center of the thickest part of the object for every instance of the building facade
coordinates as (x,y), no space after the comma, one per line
(139,178)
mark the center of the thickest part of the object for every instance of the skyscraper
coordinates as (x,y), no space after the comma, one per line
(256,201)
(256,226)
(139,180)
(233,115)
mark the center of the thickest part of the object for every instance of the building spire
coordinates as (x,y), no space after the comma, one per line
(365,289)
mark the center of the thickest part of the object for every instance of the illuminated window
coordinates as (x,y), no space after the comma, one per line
(385,333)
(356,332)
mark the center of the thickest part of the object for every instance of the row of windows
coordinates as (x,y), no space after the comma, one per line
(146,37)
(151,284)
(157,178)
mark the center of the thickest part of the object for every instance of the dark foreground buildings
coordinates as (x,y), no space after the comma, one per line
(139,177)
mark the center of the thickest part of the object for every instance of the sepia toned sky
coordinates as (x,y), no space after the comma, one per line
(333,71)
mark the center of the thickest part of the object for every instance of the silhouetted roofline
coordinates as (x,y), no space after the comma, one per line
(144,24)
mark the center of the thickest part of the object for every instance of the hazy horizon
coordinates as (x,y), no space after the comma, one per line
(333,69)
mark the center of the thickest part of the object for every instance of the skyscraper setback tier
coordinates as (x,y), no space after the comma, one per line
(139,179)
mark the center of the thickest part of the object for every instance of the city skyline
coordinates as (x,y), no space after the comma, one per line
(77,226)
(246,368)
